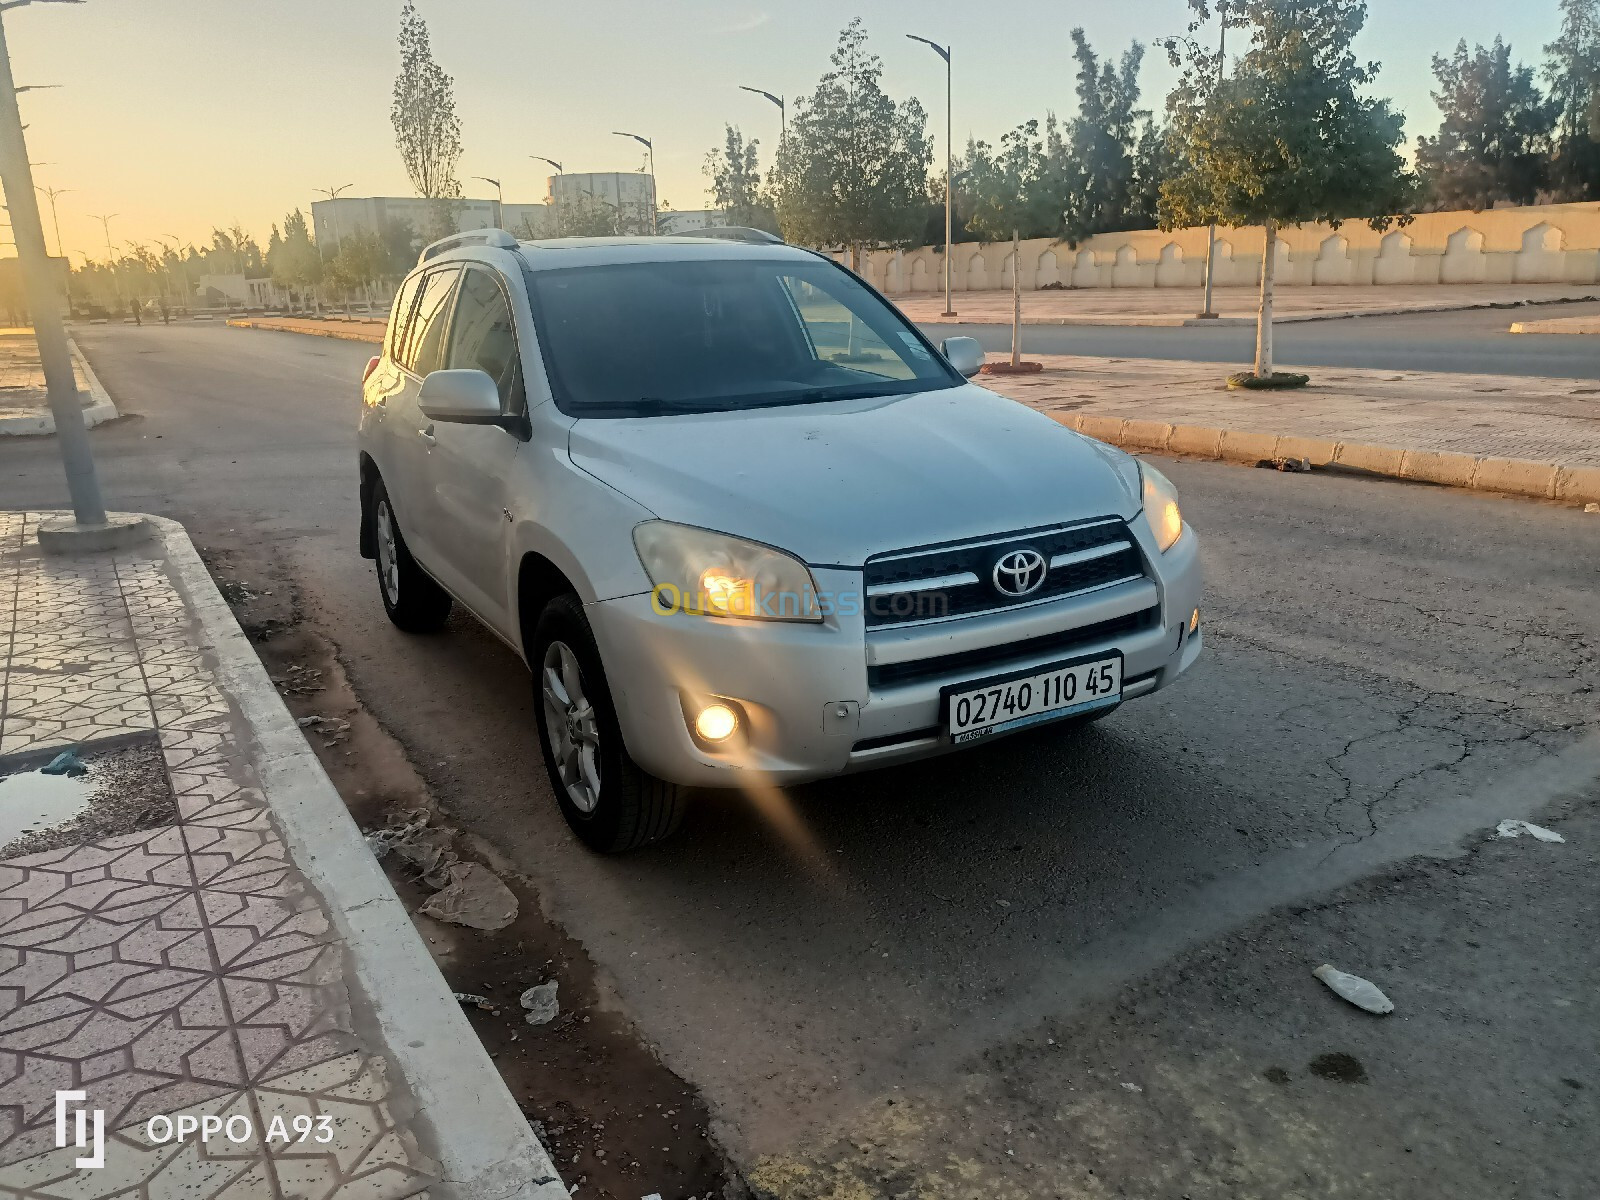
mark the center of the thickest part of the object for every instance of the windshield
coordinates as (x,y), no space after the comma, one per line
(642,339)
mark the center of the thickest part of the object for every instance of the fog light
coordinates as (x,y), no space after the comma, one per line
(1194,621)
(716,723)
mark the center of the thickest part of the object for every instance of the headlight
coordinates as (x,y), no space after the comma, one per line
(1160,507)
(713,574)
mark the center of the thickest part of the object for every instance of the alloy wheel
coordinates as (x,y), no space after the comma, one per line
(571,725)
(388,554)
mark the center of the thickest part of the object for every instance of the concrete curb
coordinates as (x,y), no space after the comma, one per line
(348,335)
(1517,477)
(472,1125)
(44,422)
(1588,326)
(1135,320)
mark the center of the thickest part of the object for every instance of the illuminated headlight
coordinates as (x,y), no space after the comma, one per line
(1160,507)
(713,574)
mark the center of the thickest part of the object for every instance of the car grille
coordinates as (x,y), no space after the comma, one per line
(958,580)
(990,659)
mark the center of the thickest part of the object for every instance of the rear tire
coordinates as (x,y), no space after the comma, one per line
(610,802)
(414,602)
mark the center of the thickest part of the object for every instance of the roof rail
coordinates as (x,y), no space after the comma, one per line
(735,233)
(497,238)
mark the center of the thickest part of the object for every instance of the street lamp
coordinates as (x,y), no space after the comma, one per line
(111,255)
(553,200)
(646,143)
(333,213)
(44,302)
(55,219)
(949,165)
(1193,47)
(783,109)
(499,202)
(170,242)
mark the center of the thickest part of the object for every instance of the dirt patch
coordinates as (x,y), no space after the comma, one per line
(124,790)
(617,1123)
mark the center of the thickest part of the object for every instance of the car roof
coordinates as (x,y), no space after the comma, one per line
(556,253)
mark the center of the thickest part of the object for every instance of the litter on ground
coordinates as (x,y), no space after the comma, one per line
(1511,827)
(1360,992)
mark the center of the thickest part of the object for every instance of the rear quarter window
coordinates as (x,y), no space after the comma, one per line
(399,315)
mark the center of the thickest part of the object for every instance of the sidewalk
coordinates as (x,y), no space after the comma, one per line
(24,404)
(1237,306)
(196,929)
(1503,433)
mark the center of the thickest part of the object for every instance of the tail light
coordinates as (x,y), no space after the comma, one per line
(372,365)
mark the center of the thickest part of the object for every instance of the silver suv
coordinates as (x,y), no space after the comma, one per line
(746,525)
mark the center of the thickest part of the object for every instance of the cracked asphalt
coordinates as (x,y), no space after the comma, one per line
(920,981)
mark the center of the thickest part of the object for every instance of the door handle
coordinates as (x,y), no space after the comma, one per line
(427,435)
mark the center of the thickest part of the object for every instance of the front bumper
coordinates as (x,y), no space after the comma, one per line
(823,699)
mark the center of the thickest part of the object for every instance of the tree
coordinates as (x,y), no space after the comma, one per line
(1011,197)
(1288,138)
(1155,160)
(1100,142)
(1494,139)
(735,177)
(361,261)
(853,169)
(294,262)
(587,215)
(427,131)
(1572,69)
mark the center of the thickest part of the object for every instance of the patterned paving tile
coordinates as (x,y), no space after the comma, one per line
(181,969)
(367,1154)
(136,1168)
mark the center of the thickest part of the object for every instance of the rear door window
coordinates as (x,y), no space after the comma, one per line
(424,349)
(400,316)
(483,337)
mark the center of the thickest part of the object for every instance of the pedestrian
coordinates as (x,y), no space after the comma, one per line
(134,305)
(166,317)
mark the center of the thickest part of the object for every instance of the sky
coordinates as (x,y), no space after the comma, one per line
(178,116)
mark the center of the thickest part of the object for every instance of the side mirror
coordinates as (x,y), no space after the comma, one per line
(965,354)
(465,396)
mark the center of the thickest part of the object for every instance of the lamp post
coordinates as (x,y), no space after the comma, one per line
(1210,313)
(333,213)
(55,218)
(44,303)
(949,165)
(111,255)
(783,109)
(499,201)
(649,146)
(552,199)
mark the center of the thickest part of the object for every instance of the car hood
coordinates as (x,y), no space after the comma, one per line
(836,483)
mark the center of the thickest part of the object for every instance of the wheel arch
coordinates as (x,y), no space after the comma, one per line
(539,581)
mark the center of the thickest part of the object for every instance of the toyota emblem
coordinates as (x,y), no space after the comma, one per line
(1020,572)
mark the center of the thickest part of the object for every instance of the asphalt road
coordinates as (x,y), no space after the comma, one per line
(1390,667)
(1474,340)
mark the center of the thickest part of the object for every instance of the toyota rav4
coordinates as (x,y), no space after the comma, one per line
(745,523)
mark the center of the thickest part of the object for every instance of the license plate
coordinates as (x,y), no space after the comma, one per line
(978,710)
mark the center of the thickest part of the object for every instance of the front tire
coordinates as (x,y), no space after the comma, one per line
(414,602)
(610,802)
